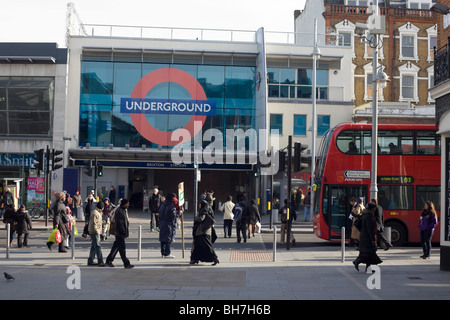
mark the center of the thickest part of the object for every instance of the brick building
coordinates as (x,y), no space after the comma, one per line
(406,56)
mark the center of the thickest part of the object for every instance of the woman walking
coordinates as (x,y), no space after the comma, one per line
(204,236)
(427,223)
(367,240)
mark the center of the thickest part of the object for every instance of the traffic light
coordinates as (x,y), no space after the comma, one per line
(99,170)
(282,161)
(255,171)
(88,168)
(39,159)
(300,162)
(56,159)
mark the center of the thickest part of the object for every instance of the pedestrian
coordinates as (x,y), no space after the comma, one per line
(121,232)
(349,224)
(356,214)
(60,221)
(154,204)
(427,223)
(204,236)
(106,218)
(9,217)
(307,206)
(380,225)
(23,225)
(78,204)
(367,240)
(112,195)
(168,214)
(89,205)
(253,217)
(95,230)
(285,223)
(241,213)
(227,210)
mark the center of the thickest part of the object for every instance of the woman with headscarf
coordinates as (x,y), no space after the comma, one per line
(204,236)
(367,240)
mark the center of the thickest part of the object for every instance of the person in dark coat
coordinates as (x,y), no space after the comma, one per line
(23,226)
(204,236)
(253,217)
(427,223)
(367,241)
(241,214)
(168,214)
(60,221)
(154,203)
(380,225)
(121,232)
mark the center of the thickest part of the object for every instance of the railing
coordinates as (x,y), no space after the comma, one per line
(170,33)
(400,12)
(441,64)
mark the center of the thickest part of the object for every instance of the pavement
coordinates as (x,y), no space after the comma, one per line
(311,270)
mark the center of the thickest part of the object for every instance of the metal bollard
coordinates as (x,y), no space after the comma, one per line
(274,257)
(343,244)
(139,242)
(8,230)
(387,235)
(72,231)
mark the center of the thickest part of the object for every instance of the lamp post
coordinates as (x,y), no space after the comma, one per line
(376,27)
(316,56)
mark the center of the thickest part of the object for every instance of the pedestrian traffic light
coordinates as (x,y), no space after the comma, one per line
(88,168)
(99,170)
(39,159)
(56,159)
(300,162)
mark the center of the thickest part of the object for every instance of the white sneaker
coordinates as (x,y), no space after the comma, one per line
(169,257)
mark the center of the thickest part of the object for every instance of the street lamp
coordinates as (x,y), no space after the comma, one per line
(376,26)
(316,55)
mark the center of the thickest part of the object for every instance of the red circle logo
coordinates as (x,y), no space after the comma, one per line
(148,82)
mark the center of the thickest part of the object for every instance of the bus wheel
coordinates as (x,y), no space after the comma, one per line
(398,234)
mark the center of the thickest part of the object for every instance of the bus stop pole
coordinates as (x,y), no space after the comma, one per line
(8,231)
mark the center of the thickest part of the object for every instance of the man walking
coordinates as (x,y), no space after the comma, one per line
(380,225)
(121,232)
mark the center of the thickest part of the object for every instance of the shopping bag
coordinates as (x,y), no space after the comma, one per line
(58,237)
(258,227)
(52,237)
(75,230)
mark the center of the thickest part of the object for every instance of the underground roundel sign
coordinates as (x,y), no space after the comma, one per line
(138,106)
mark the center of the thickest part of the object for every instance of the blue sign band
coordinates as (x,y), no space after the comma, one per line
(168,106)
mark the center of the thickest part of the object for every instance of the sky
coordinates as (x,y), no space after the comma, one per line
(45,20)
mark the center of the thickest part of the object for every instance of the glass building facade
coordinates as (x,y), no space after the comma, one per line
(104,82)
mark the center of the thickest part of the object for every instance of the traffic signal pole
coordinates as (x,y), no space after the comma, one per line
(288,209)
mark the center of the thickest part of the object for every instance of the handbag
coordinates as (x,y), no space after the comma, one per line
(208,222)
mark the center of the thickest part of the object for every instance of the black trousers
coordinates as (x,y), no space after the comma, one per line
(118,246)
(19,239)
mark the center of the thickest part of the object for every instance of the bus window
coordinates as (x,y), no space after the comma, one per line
(396,197)
(395,142)
(431,193)
(428,143)
(349,142)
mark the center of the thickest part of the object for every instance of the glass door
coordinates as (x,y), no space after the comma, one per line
(339,207)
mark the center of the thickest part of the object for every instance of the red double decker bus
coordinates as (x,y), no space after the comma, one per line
(408,174)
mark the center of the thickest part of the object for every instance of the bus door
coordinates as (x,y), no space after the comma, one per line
(338,208)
